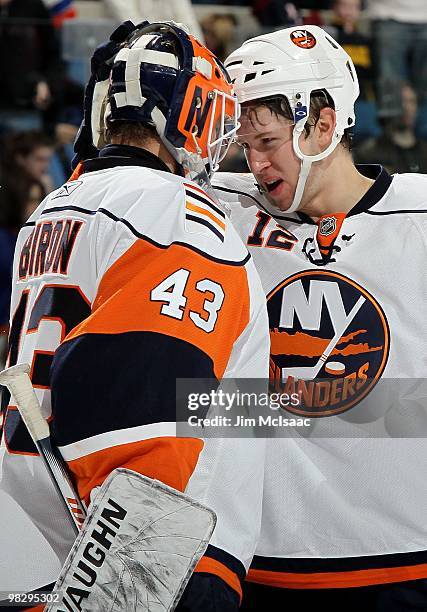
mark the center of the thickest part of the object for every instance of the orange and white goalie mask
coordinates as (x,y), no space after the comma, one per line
(165,78)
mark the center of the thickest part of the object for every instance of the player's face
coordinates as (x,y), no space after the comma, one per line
(348,10)
(267,141)
(36,163)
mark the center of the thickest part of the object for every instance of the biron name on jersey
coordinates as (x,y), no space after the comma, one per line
(48,248)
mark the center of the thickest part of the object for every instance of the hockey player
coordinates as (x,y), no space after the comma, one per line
(136,272)
(341,254)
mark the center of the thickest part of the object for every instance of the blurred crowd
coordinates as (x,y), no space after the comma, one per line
(41,93)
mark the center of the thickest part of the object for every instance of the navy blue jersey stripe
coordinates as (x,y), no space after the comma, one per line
(226,559)
(47,211)
(108,382)
(342,564)
(135,232)
(199,197)
(414,211)
(206,223)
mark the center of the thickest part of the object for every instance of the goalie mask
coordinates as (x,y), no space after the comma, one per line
(164,78)
(294,63)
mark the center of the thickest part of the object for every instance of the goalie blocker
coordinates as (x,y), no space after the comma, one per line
(137,550)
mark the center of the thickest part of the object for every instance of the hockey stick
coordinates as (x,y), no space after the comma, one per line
(310,372)
(17,380)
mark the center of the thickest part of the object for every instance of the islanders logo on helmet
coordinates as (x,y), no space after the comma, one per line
(295,63)
(303,39)
(329,341)
(166,78)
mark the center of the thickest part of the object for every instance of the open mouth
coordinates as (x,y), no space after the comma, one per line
(272,185)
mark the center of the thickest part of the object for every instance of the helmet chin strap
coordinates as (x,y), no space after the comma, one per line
(305,168)
(306,163)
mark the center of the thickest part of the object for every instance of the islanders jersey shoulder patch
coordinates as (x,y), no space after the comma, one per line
(202,214)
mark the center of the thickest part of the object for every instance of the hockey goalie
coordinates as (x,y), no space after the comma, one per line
(127,278)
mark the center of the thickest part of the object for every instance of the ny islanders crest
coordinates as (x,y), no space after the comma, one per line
(329,341)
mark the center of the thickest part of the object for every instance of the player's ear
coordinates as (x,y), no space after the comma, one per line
(325,127)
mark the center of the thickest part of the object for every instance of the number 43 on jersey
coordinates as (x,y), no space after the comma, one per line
(171,291)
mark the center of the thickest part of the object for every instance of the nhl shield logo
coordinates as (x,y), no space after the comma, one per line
(327,226)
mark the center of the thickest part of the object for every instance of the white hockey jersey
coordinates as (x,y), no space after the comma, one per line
(346,504)
(140,276)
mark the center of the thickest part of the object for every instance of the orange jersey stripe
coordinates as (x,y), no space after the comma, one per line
(170,460)
(39,608)
(338,580)
(124,303)
(201,191)
(207,213)
(212,566)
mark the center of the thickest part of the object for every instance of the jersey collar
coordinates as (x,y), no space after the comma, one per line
(374,194)
(112,156)
(376,191)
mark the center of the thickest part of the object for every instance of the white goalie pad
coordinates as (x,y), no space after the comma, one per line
(137,550)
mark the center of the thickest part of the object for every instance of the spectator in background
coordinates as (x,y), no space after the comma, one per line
(218,31)
(398,149)
(276,13)
(7,247)
(67,104)
(235,160)
(180,11)
(33,196)
(344,29)
(19,197)
(23,176)
(30,153)
(66,129)
(31,76)
(399,30)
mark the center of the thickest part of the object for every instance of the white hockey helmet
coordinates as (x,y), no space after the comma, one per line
(294,62)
